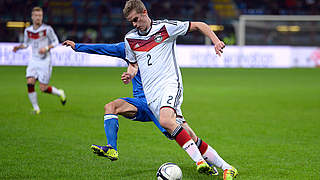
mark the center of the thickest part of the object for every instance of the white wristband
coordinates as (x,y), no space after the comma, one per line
(47,48)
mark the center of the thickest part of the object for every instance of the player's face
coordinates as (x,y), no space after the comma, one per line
(37,17)
(139,20)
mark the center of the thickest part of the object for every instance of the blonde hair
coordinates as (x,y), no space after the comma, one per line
(131,5)
(37,8)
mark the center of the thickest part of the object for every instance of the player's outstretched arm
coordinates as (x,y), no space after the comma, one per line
(205,30)
(26,42)
(131,72)
(69,43)
(16,48)
(115,50)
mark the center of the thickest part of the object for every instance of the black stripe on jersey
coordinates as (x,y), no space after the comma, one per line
(178,79)
(176,102)
(173,22)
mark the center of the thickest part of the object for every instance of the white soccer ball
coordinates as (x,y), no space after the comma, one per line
(169,171)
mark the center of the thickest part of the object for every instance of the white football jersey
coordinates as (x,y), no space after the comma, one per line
(155,54)
(40,38)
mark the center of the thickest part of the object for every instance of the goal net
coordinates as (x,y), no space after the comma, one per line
(293,30)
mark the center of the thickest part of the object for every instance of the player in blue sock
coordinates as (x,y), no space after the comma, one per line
(111,126)
(135,108)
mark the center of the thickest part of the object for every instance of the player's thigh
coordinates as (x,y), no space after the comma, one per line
(167,113)
(43,86)
(31,80)
(31,73)
(168,119)
(124,108)
(143,112)
(44,73)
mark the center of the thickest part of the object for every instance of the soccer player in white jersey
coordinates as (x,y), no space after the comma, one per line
(42,38)
(151,46)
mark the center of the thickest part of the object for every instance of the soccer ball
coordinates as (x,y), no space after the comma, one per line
(169,171)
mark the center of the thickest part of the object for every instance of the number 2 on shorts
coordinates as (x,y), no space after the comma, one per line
(169,99)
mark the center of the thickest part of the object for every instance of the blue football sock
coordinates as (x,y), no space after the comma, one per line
(111,127)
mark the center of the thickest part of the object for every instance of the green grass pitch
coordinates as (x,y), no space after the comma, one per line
(265,122)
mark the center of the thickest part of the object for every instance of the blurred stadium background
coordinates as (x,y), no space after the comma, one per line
(260,34)
(101,21)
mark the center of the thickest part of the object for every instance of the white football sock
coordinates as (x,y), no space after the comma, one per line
(56,91)
(191,148)
(185,141)
(34,101)
(212,157)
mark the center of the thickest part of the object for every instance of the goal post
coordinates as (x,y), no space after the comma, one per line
(296,30)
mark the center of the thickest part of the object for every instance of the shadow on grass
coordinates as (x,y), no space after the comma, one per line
(190,173)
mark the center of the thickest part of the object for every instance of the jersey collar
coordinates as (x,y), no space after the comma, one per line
(37,28)
(147,32)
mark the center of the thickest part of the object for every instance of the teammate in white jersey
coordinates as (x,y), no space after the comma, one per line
(42,38)
(151,46)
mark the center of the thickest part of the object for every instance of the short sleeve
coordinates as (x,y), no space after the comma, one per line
(177,28)
(130,56)
(52,37)
(26,40)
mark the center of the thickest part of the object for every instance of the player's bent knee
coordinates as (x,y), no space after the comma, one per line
(31,80)
(43,89)
(110,108)
(167,124)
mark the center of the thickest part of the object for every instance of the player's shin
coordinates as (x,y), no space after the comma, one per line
(58,92)
(111,127)
(53,90)
(211,156)
(33,97)
(184,140)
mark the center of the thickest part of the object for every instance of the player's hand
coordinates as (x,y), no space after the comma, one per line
(218,47)
(126,78)
(16,48)
(69,43)
(42,50)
